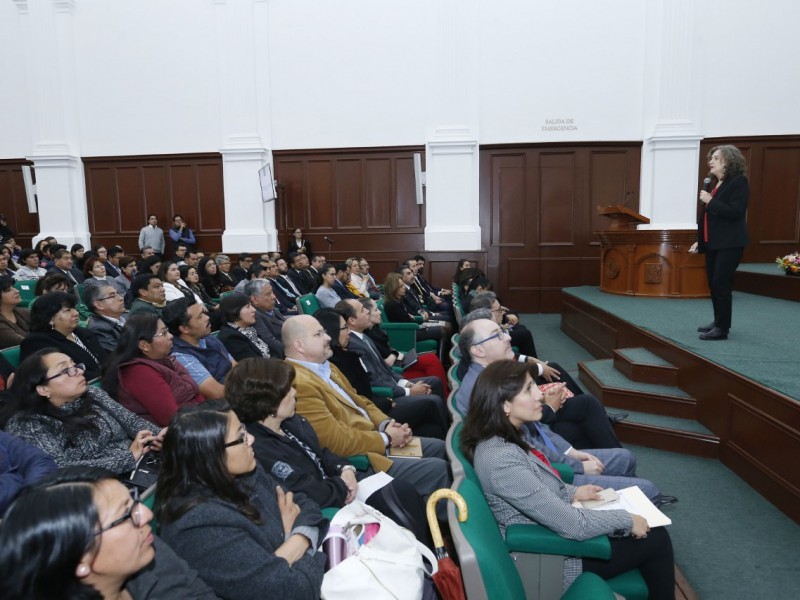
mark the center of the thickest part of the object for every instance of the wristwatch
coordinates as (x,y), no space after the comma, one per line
(343,468)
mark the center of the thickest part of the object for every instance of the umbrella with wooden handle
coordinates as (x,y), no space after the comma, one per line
(448,578)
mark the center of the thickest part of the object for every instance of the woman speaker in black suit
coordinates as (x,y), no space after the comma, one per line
(722,232)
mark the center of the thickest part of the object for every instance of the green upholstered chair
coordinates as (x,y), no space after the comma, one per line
(11,355)
(27,290)
(308,304)
(403,336)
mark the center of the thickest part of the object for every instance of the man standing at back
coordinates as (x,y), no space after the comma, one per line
(347,423)
(152,235)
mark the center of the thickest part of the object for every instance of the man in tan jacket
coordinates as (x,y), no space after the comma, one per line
(347,423)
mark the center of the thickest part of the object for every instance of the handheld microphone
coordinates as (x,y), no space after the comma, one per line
(707,184)
(330,241)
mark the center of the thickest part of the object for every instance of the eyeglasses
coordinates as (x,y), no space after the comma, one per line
(69,371)
(162,332)
(242,439)
(135,514)
(499,335)
(111,296)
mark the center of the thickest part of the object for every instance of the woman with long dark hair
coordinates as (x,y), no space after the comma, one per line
(54,324)
(52,408)
(394,289)
(78,534)
(14,321)
(228,519)
(174,287)
(521,486)
(209,276)
(143,376)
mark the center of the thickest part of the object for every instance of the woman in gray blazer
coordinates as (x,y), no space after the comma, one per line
(522,487)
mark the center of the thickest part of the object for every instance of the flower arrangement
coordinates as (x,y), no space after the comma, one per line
(790,263)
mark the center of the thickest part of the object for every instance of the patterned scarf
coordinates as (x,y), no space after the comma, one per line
(250,334)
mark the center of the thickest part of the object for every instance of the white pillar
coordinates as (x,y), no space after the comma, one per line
(50,54)
(452,200)
(243,64)
(672,112)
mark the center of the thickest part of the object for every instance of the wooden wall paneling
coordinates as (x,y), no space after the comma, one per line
(122,191)
(773,169)
(408,213)
(318,200)
(377,193)
(291,198)
(558,191)
(349,183)
(14,206)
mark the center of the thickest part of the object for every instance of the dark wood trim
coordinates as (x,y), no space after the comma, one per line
(557,145)
(758,427)
(784,287)
(672,440)
(145,158)
(356,150)
(645,373)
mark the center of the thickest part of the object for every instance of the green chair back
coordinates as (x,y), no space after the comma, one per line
(11,355)
(27,290)
(308,304)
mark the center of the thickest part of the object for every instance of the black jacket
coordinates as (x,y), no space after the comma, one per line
(727,213)
(38,340)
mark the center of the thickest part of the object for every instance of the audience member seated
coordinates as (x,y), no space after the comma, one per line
(326,295)
(53,408)
(257,271)
(226,282)
(107,306)
(394,290)
(77,251)
(52,282)
(143,376)
(476,286)
(203,355)
(347,423)
(286,447)
(94,272)
(521,486)
(442,293)
(229,519)
(5,269)
(428,299)
(174,287)
(416,304)
(427,363)
(269,320)
(21,465)
(422,390)
(148,294)
(148,251)
(372,287)
(356,284)
(80,534)
(15,322)
(287,299)
(127,267)
(151,264)
(115,253)
(209,276)
(486,344)
(300,275)
(238,332)
(425,415)
(54,324)
(30,269)
(464,280)
(244,262)
(581,419)
(315,268)
(191,278)
(521,336)
(62,264)
(180,254)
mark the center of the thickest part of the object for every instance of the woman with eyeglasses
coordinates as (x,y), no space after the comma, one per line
(143,376)
(522,487)
(54,324)
(52,408)
(94,272)
(80,534)
(15,322)
(229,519)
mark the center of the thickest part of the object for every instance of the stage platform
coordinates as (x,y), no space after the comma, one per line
(744,392)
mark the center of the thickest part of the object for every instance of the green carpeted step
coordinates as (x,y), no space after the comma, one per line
(665,422)
(685,436)
(643,356)
(615,389)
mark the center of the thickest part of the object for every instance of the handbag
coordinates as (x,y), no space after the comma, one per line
(145,473)
(389,566)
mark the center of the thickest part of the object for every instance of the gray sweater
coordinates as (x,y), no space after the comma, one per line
(236,556)
(107,447)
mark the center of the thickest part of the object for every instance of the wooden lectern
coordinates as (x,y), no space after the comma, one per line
(648,262)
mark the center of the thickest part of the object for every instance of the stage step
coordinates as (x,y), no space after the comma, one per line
(766,279)
(685,436)
(615,389)
(639,364)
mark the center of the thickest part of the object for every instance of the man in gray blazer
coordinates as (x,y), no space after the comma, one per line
(269,320)
(107,307)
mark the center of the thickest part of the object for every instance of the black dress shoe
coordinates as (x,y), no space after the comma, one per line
(666,501)
(706,328)
(715,334)
(616,417)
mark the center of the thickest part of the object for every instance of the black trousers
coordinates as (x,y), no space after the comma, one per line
(651,555)
(583,422)
(720,269)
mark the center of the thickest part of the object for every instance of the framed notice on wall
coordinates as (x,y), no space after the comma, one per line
(268,191)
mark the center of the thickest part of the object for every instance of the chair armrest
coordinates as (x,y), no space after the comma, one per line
(565,470)
(537,539)
(381,392)
(399,326)
(359,461)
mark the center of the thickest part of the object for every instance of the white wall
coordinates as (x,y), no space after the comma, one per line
(15,120)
